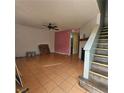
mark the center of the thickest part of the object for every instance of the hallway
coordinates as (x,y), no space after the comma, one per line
(51,73)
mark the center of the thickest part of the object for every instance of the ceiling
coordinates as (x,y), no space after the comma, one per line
(66,14)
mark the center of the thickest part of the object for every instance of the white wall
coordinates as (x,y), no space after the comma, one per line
(51,40)
(28,39)
(87,29)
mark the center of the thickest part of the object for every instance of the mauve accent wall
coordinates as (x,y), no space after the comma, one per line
(62,42)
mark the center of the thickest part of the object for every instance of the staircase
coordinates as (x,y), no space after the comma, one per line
(98,74)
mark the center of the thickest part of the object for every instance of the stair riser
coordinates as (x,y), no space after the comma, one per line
(100,59)
(100,68)
(103,37)
(99,79)
(105,27)
(104,52)
(103,41)
(103,33)
(104,30)
(102,46)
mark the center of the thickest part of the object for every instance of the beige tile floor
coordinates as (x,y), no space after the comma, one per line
(43,74)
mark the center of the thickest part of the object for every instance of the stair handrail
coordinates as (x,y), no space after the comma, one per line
(89,50)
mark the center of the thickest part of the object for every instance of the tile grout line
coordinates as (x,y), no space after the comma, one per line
(64,79)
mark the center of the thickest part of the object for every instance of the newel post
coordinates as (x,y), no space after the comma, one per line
(87,64)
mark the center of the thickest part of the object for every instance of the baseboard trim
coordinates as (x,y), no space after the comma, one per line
(62,53)
(20,57)
(25,56)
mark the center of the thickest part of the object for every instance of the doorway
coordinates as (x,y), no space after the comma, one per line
(74,43)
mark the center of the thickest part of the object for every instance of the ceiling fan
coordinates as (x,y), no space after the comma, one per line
(51,26)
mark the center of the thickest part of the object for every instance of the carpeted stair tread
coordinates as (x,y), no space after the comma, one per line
(103,43)
(100,59)
(100,55)
(104,63)
(96,85)
(101,51)
(99,72)
(103,39)
(104,30)
(101,48)
(103,36)
(103,33)
(105,27)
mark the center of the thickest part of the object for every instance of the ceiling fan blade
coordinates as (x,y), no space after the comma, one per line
(55,26)
(44,25)
(56,29)
(42,28)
